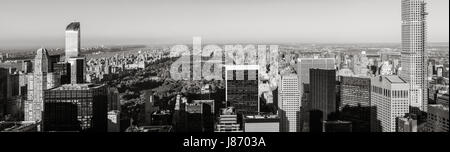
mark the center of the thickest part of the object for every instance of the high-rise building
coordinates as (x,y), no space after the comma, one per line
(77,70)
(242,88)
(413,57)
(355,91)
(261,123)
(354,103)
(289,103)
(73,41)
(76,107)
(63,70)
(3,91)
(323,97)
(35,103)
(389,100)
(53,80)
(27,66)
(305,64)
(437,119)
(196,117)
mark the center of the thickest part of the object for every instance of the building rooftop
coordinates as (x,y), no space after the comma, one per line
(74,26)
(395,79)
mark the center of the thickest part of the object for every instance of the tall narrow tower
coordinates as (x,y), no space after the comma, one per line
(73,41)
(413,58)
(34,106)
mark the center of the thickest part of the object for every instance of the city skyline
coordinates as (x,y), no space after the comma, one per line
(154,22)
(240,88)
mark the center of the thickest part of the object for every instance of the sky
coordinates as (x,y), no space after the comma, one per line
(32,23)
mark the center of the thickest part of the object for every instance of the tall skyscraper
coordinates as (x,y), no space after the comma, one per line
(3,90)
(289,103)
(323,97)
(73,42)
(305,64)
(389,100)
(34,105)
(413,58)
(355,102)
(355,91)
(242,88)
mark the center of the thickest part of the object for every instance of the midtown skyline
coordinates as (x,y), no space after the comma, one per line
(152,22)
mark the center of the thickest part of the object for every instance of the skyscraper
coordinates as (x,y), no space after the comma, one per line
(413,58)
(389,100)
(76,107)
(242,88)
(73,41)
(355,102)
(34,105)
(355,91)
(289,103)
(323,97)
(305,64)
(77,70)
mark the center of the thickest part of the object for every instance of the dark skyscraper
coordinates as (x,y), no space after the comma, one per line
(323,97)
(242,88)
(79,107)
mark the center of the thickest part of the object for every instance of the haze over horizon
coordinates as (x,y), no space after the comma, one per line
(30,24)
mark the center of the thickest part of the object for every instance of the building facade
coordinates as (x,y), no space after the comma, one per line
(73,41)
(389,100)
(289,103)
(413,57)
(242,88)
(79,107)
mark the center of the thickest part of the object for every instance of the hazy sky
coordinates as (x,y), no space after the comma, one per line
(42,22)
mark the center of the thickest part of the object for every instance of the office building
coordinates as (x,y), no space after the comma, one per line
(227,121)
(73,42)
(242,88)
(355,102)
(323,97)
(355,91)
(3,90)
(76,107)
(261,123)
(413,57)
(389,100)
(197,115)
(437,119)
(289,103)
(63,70)
(77,70)
(34,104)
(27,66)
(304,66)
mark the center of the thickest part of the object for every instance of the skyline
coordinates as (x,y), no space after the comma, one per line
(156,22)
